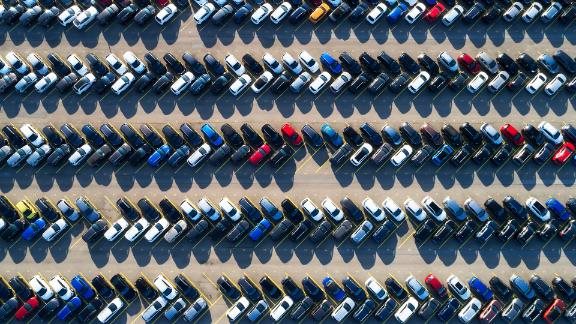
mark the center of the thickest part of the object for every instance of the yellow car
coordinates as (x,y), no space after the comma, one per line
(320,12)
(27,209)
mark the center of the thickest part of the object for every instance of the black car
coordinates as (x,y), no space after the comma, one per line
(172,136)
(58,155)
(486,232)
(500,289)
(281,83)
(111,135)
(127,209)
(59,66)
(227,288)
(465,231)
(342,154)
(340,12)
(198,230)
(148,210)
(473,13)
(320,232)
(154,65)
(200,84)
(269,288)
(222,15)
(299,14)
(95,232)
(186,287)
(271,136)
(312,290)
(243,13)
(482,155)
(527,63)
(517,82)
(251,136)
(492,14)
(410,134)
(107,14)
(395,289)
(213,65)
(191,136)
(96,65)
(408,63)
(451,135)
(458,81)
(350,64)
(93,136)
(15,138)
(163,83)
(507,63)
(369,63)
(8,308)
(534,311)
(429,308)
(220,155)
(351,210)
(252,64)
(526,233)
(343,230)
(238,231)
(231,136)
(567,16)
(495,210)
(13,230)
(220,83)
(281,156)
(399,83)
(48,17)
(444,232)
(424,231)
(249,289)
(291,211)
(364,79)
(281,229)
(50,309)
(249,210)
(301,230)
(422,155)
(371,135)
(358,13)
(21,288)
(91,310)
(171,212)
(383,231)
(72,135)
(386,310)
(132,136)
(125,15)
(448,310)
(291,289)
(53,136)
(437,83)
(144,82)
(7,210)
(389,63)
(302,309)
(151,136)
(104,83)
(541,288)
(543,154)
(565,291)
(508,231)
(514,207)
(173,64)
(428,64)
(352,136)
(47,209)
(321,311)
(103,287)
(123,287)
(240,154)
(311,136)
(533,135)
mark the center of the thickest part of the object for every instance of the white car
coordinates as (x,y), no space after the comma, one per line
(17,63)
(300,82)
(136,230)
(229,209)
(46,82)
(154,309)
(77,65)
(4,67)
(182,83)
(37,64)
(415,210)
(361,232)
(156,230)
(538,209)
(513,11)
(343,310)
(263,80)
(415,13)
(80,155)
(261,13)
(134,62)
(115,64)
(61,288)
(340,82)
(361,154)
(84,83)
(402,155)
(458,288)
(311,210)
(331,209)
(199,155)
(419,81)
(26,82)
(281,12)
(536,83)
(553,86)
(166,13)
(291,63)
(41,288)
(208,209)
(206,10)
(532,12)
(469,312)
(272,63)
(551,12)
(165,288)
(375,289)
(308,61)
(452,15)
(68,15)
(448,62)
(32,135)
(240,84)
(392,208)
(405,312)
(551,133)
(85,17)
(110,310)
(123,83)
(499,81)
(234,65)
(39,155)
(281,309)
(432,208)
(116,229)
(175,231)
(375,14)
(371,207)
(54,230)
(238,309)
(477,82)
(189,210)
(319,83)
(19,156)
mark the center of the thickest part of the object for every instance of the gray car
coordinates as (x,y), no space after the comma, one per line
(511,312)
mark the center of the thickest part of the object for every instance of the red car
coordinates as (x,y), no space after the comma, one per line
(435,12)
(27,308)
(260,154)
(490,312)
(554,311)
(512,134)
(470,64)
(162,3)
(290,133)
(564,153)
(436,285)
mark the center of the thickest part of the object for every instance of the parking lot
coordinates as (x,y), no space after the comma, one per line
(308,173)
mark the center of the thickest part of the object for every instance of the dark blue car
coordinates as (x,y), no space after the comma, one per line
(442,154)
(257,233)
(395,14)
(331,135)
(213,137)
(34,229)
(480,289)
(333,289)
(69,308)
(557,209)
(159,155)
(270,209)
(82,287)
(330,63)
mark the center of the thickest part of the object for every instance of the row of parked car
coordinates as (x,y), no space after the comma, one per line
(95,147)
(548,72)
(373,300)
(346,220)
(99,300)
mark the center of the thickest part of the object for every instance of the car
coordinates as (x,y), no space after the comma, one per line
(165,14)
(376,13)
(85,17)
(541,288)
(415,13)
(537,209)
(470,310)
(54,230)
(536,83)
(111,309)
(238,309)
(477,82)
(261,13)
(319,13)
(417,288)
(480,289)
(534,311)
(396,13)
(522,287)
(457,287)
(532,12)
(154,309)
(406,310)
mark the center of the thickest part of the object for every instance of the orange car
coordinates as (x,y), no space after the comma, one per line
(320,12)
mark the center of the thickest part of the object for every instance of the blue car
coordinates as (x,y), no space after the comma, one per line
(331,135)
(480,289)
(330,63)
(82,287)
(270,210)
(69,308)
(333,289)
(257,233)
(442,155)
(34,229)
(558,209)
(395,14)
(522,287)
(213,137)
(159,155)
